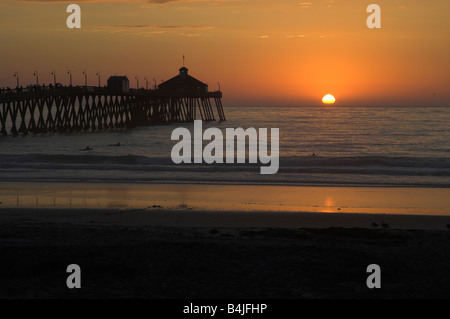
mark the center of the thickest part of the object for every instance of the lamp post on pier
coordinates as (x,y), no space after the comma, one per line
(98,74)
(54,78)
(85,78)
(37,77)
(16,75)
(70,76)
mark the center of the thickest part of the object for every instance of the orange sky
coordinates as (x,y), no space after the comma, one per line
(263,52)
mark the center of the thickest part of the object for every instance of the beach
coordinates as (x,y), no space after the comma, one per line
(163,253)
(140,226)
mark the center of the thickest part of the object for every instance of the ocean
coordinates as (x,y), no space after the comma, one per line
(361,146)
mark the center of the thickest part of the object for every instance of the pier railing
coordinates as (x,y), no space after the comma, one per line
(51,109)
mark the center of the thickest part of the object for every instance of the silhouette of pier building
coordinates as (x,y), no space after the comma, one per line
(183,83)
(52,109)
(119,84)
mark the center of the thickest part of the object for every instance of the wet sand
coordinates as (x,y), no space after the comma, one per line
(214,197)
(222,241)
(185,217)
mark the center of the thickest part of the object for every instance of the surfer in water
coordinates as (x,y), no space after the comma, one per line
(87,148)
(118,144)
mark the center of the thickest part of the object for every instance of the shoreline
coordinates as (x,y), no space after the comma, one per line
(188,181)
(225,183)
(158,252)
(187,218)
(217,197)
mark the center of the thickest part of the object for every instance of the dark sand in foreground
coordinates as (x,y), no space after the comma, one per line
(154,253)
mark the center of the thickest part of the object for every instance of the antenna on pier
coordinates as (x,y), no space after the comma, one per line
(183,59)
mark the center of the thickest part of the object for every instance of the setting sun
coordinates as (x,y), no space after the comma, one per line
(328,99)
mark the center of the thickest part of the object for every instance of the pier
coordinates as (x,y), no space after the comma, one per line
(58,109)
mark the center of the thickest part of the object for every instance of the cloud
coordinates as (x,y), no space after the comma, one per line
(305,4)
(78,1)
(167,1)
(148,1)
(152,30)
(149,26)
(295,36)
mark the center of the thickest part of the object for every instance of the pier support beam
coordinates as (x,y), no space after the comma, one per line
(58,110)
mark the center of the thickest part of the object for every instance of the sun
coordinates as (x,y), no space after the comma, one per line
(328,99)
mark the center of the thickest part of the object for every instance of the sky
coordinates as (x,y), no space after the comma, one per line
(262,52)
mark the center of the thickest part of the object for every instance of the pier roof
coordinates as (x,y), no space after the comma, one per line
(183,82)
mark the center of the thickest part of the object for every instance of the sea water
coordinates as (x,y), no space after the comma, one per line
(321,145)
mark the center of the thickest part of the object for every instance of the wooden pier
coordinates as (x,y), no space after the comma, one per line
(68,109)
